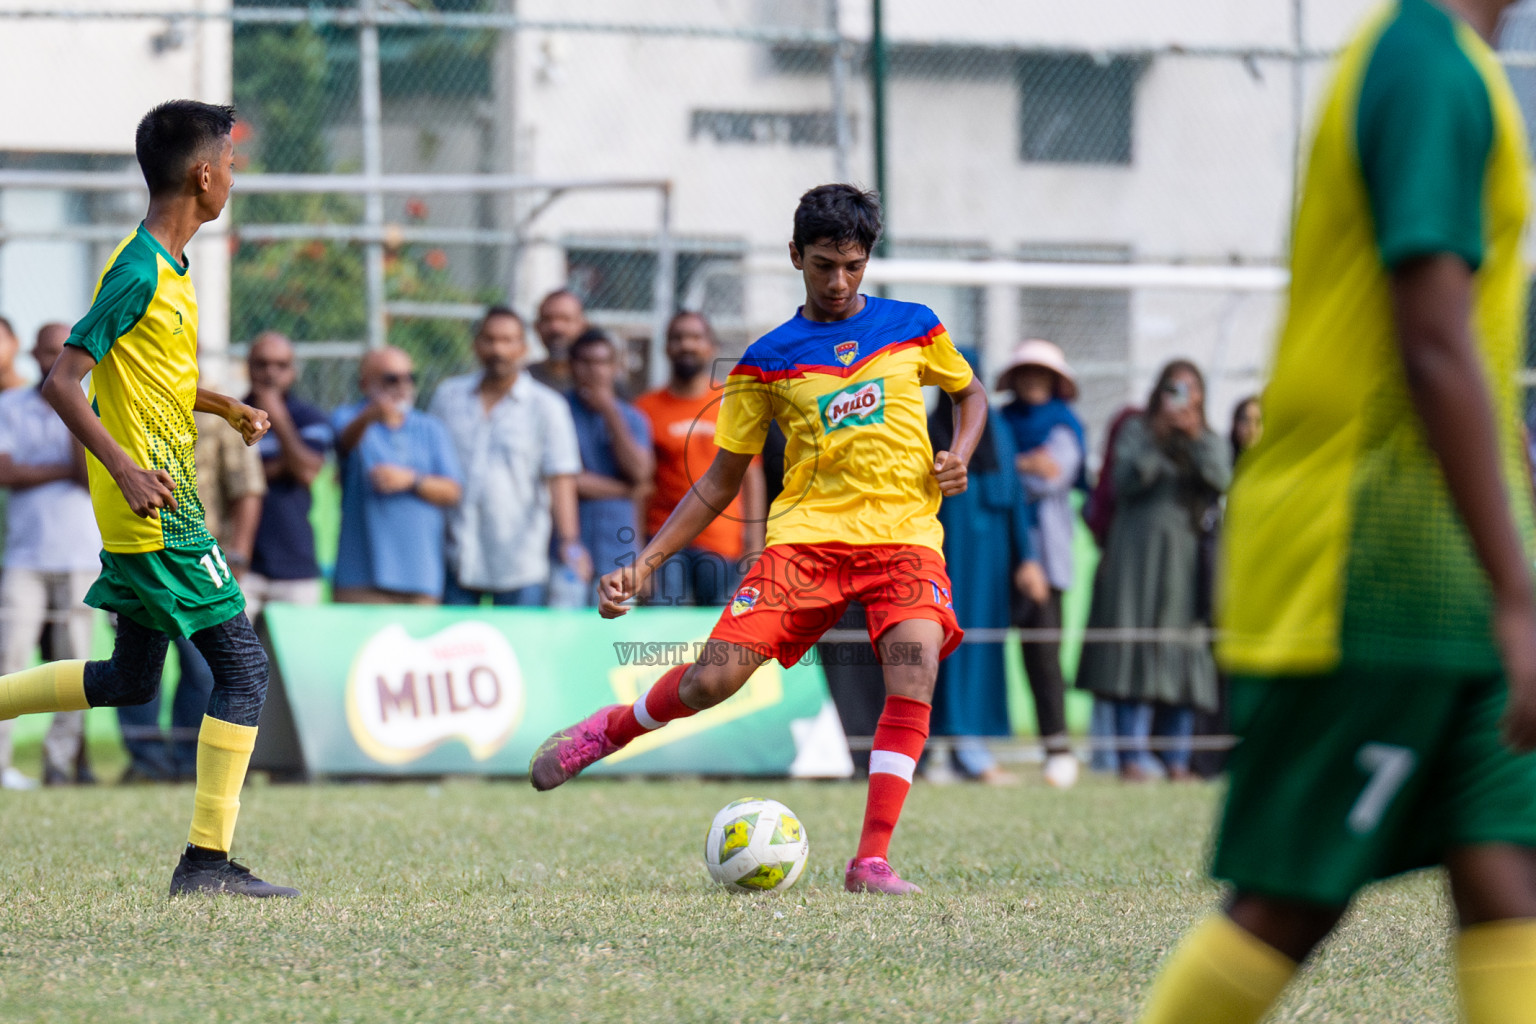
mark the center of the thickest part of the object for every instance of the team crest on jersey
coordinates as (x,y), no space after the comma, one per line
(745,600)
(846,351)
(941,596)
(855,406)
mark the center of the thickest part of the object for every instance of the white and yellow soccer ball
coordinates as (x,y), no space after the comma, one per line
(756,845)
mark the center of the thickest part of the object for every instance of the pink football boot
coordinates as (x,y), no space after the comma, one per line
(875,874)
(565,754)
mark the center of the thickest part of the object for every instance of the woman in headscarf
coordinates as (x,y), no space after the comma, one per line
(1051,448)
(1169,466)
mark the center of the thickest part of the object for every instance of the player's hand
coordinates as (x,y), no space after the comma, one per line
(1031,581)
(252,422)
(616,588)
(1515,628)
(147,491)
(950,470)
(387,479)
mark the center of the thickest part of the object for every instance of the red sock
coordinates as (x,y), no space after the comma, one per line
(655,708)
(899,740)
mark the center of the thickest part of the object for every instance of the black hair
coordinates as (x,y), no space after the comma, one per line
(498,309)
(173,135)
(6,326)
(1165,381)
(686,314)
(840,214)
(591,336)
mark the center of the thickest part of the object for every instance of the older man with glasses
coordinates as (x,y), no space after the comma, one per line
(399,475)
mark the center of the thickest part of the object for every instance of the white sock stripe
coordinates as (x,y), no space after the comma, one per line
(889,762)
(643,716)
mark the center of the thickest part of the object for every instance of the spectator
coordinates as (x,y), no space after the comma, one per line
(283,566)
(1168,468)
(1051,447)
(616,462)
(562,319)
(230,486)
(1247,426)
(10,347)
(1098,513)
(990,555)
(517,444)
(399,474)
(50,557)
(682,415)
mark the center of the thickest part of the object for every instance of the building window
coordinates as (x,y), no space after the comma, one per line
(615,278)
(1074,109)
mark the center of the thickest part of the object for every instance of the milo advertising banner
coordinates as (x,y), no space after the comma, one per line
(374,690)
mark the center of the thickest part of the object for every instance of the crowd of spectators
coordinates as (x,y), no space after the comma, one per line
(523,481)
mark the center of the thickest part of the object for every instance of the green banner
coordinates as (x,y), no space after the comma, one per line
(378,690)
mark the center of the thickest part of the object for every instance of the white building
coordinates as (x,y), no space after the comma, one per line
(75,90)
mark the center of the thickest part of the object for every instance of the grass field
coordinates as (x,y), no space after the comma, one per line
(485,901)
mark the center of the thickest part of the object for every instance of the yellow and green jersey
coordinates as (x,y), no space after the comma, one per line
(1342,543)
(142,331)
(858,465)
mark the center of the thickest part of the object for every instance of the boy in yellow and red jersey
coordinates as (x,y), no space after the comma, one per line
(161,572)
(857,519)
(1377,609)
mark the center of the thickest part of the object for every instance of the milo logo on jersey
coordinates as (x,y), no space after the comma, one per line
(855,406)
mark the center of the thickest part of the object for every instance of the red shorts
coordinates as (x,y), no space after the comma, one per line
(796,592)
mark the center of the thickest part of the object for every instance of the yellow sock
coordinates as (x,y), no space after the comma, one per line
(223,754)
(56,686)
(1496,972)
(1220,974)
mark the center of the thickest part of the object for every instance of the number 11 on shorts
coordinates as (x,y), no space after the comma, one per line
(214,562)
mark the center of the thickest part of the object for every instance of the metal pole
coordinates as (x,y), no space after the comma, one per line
(1298,105)
(666,291)
(373,167)
(841,132)
(877,87)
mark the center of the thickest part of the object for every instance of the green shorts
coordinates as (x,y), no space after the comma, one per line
(176,592)
(1346,778)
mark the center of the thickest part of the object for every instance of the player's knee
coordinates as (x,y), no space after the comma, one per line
(137,690)
(707,684)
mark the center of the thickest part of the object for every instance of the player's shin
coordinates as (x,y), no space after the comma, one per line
(56,686)
(899,739)
(655,708)
(1496,972)
(223,755)
(1220,974)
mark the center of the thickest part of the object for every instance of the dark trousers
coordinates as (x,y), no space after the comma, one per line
(1042,663)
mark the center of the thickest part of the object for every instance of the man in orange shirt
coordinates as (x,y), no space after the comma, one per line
(682,416)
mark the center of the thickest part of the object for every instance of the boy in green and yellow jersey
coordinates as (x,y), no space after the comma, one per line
(161,571)
(1376,609)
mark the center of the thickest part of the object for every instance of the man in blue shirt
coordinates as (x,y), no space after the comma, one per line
(283,566)
(616,461)
(399,473)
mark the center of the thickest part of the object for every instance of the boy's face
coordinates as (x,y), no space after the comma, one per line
(832,276)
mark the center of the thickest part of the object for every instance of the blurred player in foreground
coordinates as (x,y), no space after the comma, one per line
(1377,607)
(160,570)
(857,519)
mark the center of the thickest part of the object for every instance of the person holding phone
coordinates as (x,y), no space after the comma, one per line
(1169,466)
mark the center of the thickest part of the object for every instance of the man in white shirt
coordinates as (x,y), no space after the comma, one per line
(51,550)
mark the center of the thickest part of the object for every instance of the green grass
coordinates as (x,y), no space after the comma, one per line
(485,901)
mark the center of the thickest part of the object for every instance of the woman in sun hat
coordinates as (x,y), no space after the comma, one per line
(1051,448)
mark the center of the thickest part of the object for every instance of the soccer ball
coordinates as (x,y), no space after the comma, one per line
(756,845)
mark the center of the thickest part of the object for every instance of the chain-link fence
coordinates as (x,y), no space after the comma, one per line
(402,164)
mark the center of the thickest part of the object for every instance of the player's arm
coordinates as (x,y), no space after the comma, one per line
(145,490)
(251,422)
(1432,302)
(970,419)
(711,493)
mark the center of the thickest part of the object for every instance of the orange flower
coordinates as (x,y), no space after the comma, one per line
(436,259)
